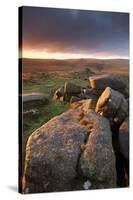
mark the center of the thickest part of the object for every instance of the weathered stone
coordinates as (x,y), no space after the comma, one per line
(82,96)
(74,99)
(61,90)
(70,90)
(87,104)
(76,104)
(97,162)
(109,103)
(122,112)
(100,82)
(34,97)
(52,154)
(29,112)
(61,157)
(87,185)
(58,93)
(83,104)
(113,105)
(124,138)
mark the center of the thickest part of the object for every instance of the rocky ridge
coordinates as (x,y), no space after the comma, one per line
(83,147)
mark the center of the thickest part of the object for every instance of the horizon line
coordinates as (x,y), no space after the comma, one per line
(83,58)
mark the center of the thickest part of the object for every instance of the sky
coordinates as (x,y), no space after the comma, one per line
(68,33)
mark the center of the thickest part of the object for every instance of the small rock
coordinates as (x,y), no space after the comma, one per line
(58,93)
(34,97)
(87,185)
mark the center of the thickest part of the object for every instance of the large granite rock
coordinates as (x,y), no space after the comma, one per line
(97,162)
(52,154)
(124,138)
(113,105)
(100,82)
(72,151)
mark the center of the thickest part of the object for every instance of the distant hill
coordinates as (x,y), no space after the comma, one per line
(50,65)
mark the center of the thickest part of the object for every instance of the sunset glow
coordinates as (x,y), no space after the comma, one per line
(72,34)
(46,55)
(57,55)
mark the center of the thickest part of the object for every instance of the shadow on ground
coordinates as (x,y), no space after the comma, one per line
(14,188)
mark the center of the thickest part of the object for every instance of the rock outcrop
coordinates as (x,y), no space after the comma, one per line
(74,151)
(70,93)
(100,82)
(65,154)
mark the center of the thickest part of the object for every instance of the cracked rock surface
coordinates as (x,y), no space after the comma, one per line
(64,154)
(98,160)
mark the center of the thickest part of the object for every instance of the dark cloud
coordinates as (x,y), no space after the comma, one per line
(77,31)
